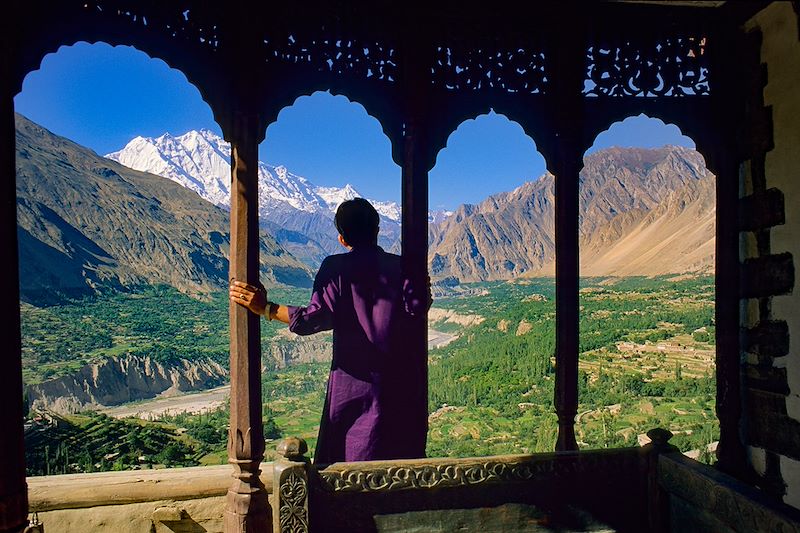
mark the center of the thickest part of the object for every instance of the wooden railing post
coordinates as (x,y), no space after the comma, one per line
(13,489)
(247,509)
(657,499)
(290,487)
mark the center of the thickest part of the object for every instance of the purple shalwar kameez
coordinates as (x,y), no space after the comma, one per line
(374,399)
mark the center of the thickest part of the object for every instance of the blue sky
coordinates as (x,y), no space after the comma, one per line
(102,97)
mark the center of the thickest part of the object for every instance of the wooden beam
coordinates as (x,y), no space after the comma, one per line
(247,509)
(13,489)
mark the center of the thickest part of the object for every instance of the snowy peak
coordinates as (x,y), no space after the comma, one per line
(199,160)
(279,188)
(439,215)
(196,160)
(334,196)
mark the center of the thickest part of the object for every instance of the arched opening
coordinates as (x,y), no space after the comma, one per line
(322,150)
(647,331)
(123,267)
(493,317)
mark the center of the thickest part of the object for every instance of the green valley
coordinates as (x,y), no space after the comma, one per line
(647,360)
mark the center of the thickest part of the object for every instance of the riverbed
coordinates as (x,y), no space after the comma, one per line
(208,400)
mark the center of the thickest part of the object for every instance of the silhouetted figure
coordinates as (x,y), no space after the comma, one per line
(364,297)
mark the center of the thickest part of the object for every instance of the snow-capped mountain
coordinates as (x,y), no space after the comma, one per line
(296,210)
(200,161)
(438,215)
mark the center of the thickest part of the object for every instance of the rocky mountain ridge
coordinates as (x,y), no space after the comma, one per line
(297,212)
(118,380)
(86,223)
(632,201)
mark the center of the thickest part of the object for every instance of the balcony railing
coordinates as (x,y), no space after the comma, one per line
(652,488)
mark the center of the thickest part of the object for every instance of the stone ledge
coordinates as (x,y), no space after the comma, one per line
(757,139)
(197,515)
(766,378)
(78,491)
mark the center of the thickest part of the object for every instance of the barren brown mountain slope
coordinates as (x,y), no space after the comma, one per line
(87,223)
(674,237)
(643,212)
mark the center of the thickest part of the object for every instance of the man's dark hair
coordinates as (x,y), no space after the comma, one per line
(357,221)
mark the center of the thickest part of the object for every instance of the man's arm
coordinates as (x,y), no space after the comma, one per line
(302,320)
(254,298)
(278,312)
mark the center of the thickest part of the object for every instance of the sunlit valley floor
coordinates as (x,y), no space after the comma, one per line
(125,327)
(647,360)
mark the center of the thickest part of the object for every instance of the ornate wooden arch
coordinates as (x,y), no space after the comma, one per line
(693,120)
(374,105)
(420,70)
(63,25)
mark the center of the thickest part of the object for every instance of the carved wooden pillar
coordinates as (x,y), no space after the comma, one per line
(565,162)
(569,161)
(735,105)
(247,509)
(13,489)
(730,452)
(415,167)
(415,264)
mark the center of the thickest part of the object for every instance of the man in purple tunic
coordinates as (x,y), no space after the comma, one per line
(372,406)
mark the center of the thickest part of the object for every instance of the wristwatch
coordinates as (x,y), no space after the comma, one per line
(272,308)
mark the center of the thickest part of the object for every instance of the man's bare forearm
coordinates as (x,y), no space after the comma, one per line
(277,312)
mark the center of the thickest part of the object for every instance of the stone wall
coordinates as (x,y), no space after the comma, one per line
(770,244)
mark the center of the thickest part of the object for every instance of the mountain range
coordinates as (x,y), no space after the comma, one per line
(87,223)
(642,211)
(298,213)
(634,203)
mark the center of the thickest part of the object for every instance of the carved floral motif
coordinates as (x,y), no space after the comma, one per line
(448,475)
(293,504)
(176,19)
(340,56)
(513,70)
(676,66)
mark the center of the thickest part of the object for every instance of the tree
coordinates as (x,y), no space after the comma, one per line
(271,429)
